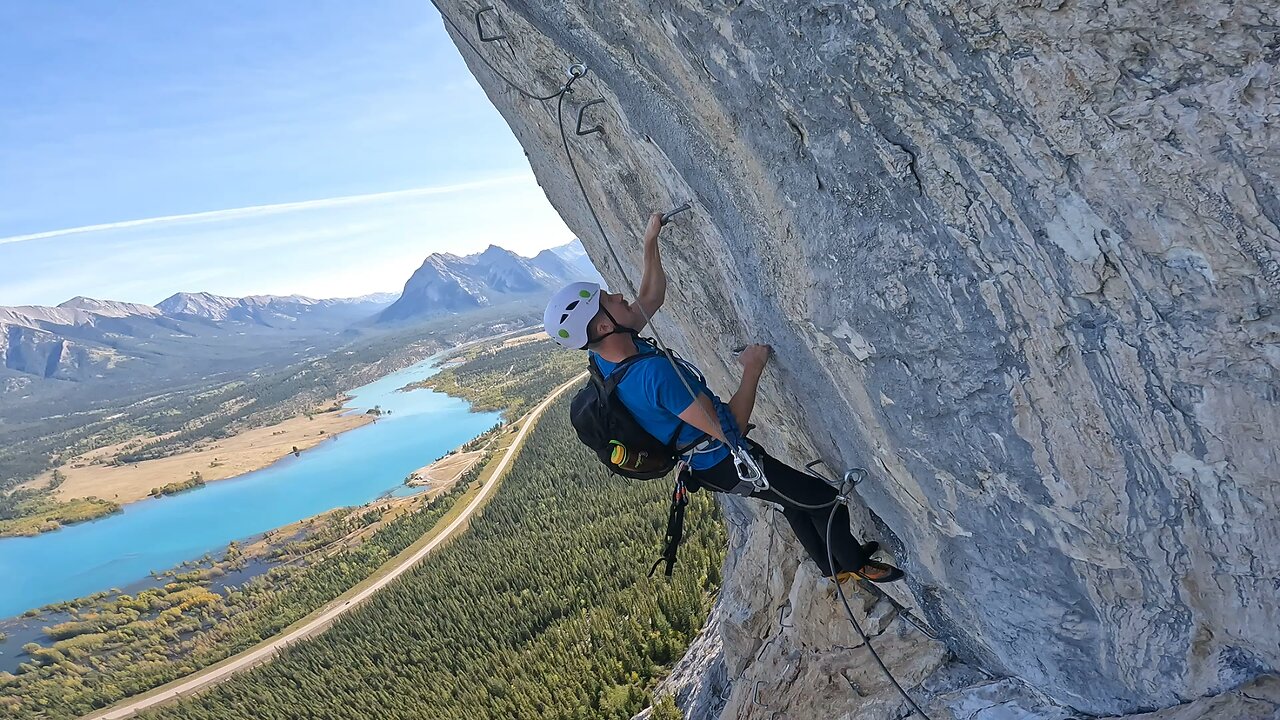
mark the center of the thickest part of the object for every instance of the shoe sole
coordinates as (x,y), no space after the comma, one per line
(892,574)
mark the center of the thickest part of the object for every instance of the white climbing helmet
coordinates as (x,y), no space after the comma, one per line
(569,313)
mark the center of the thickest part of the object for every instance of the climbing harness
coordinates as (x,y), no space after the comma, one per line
(746,466)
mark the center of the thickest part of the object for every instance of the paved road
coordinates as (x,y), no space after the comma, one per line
(263,653)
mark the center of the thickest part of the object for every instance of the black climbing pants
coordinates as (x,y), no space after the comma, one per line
(810,526)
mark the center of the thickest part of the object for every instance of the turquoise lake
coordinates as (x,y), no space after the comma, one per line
(156,534)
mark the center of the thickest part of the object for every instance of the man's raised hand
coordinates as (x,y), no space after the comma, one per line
(655,227)
(755,357)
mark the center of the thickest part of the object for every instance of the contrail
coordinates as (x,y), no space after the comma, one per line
(270,209)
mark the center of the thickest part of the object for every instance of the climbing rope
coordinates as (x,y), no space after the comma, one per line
(744,462)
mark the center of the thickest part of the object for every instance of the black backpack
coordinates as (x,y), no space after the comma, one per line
(606,426)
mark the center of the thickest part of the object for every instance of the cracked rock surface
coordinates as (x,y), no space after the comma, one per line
(1019,259)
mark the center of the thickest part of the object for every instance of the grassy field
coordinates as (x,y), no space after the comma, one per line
(42,514)
(445,470)
(90,475)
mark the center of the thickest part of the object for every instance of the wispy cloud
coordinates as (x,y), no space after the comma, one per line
(264,210)
(324,248)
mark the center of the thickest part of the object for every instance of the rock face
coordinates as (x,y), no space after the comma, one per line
(1018,259)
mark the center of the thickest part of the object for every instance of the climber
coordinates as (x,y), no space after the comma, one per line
(583,316)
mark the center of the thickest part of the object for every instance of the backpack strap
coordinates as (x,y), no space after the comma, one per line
(619,370)
(690,445)
(610,383)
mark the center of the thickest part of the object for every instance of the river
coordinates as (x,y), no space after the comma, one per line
(156,534)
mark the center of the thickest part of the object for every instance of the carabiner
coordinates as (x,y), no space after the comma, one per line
(749,470)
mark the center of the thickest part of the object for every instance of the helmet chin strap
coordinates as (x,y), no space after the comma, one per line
(617,328)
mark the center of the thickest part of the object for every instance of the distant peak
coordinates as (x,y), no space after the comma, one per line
(495,250)
(107,308)
(194,296)
(81,302)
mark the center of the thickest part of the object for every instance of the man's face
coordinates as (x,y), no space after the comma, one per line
(625,313)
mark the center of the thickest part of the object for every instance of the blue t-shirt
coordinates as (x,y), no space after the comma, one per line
(653,393)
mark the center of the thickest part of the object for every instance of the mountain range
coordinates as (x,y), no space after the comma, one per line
(447,283)
(84,338)
(269,310)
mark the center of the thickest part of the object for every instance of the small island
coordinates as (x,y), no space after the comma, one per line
(173,488)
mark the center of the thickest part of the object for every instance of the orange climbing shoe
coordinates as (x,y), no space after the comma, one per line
(876,572)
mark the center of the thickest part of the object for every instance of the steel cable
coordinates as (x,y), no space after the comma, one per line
(856,626)
(510,83)
(564,138)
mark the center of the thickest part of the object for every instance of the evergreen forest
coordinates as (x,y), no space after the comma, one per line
(112,645)
(541,610)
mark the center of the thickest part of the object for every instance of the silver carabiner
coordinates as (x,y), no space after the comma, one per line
(749,470)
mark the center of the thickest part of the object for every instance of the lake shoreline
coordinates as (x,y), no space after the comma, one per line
(144,536)
(212,461)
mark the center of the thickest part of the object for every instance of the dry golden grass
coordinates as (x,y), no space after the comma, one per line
(223,459)
(446,470)
(522,339)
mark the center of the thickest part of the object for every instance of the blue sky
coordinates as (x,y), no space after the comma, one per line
(322,147)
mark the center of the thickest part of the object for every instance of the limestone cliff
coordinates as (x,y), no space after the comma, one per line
(1021,261)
